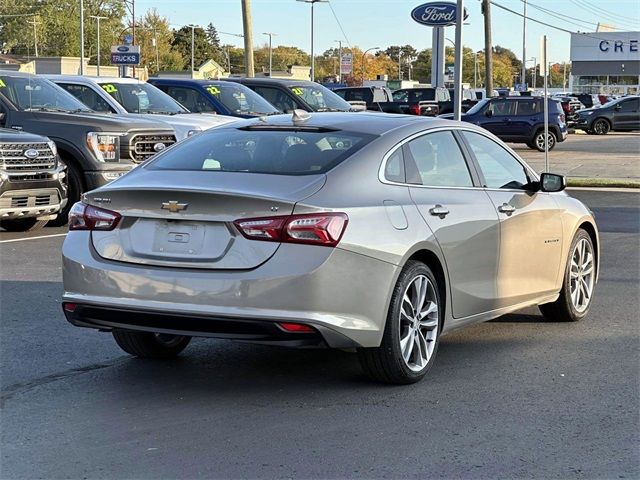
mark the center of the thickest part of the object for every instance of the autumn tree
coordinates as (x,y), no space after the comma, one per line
(155,37)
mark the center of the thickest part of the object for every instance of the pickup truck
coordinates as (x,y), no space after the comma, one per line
(370,97)
(32,181)
(427,101)
(214,96)
(134,98)
(468,100)
(96,148)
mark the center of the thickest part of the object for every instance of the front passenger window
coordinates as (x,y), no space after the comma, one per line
(499,167)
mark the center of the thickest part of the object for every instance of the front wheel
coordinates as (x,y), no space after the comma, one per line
(538,141)
(150,345)
(22,224)
(412,331)
(74,191)
(601,127)
(578,285)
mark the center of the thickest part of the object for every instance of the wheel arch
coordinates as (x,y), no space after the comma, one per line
(590,228)
(432,260)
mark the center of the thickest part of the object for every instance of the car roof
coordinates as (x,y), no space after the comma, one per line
(94,79)
(376,123)
(192,81)
(271,81)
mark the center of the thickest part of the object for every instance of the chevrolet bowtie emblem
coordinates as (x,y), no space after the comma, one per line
(173,206)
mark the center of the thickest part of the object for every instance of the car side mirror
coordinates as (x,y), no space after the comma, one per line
(488,113)
(551,182)
(617,107)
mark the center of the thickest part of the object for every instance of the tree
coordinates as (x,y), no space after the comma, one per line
(203,50)
(154,29)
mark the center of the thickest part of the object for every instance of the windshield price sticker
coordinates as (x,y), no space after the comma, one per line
(213,90)
(297,91)
(2,84)
(109,88)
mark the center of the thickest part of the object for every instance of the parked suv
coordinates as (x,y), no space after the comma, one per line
(213,96)
(519,120)
(32,181)
(132,97)
(96,148)
(289,95)
(617,115)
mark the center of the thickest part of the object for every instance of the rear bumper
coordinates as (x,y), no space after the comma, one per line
(343,295)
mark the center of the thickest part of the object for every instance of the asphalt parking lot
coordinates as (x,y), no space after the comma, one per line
(612,156)
(516,397)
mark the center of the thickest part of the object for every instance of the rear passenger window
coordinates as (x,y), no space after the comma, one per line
(527,107)
(435,160)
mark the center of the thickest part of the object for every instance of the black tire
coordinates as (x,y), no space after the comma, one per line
(150,345)
(385,363)
(22,224)
(538,140)
(74,191)
(531,146)
(601,126)
(563,310)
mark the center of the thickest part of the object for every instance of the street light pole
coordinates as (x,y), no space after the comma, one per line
(35,35)
(193,27)
(364,56)
(457,72)
(81,37)
(339,60)
(523,77)
(98,18)
(270,34)
(313,59)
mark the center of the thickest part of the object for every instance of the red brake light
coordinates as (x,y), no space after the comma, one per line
(414,109)
(88,217)
(313,229)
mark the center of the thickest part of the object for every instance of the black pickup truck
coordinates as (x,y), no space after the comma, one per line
(96,148)
(425,101)
(371,97)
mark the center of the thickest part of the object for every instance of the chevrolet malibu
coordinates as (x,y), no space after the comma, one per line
(375,233)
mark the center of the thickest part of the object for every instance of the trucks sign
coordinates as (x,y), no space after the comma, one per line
(436,14)
(125,55)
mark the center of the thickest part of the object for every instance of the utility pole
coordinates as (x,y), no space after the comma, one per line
(523,77)
(192,27)
(98,18)
(399,65)
(247,26)
(488,60)
(270,34)
(339,60)
(564,77)
(81,37)
(35,35)
(155,44)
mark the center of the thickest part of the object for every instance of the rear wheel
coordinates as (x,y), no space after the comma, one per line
(578,285)
(150,345)
(74,190)
(601,126)
(22,224)
(412,331)
(538,140)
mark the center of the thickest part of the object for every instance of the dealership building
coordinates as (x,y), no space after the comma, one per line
(605,62)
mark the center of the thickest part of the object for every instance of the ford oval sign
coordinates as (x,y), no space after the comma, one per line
(122,48)
(436,14)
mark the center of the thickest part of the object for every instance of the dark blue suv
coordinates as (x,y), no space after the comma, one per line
(215,96)
(519,120)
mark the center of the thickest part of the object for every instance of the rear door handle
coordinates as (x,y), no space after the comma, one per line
(506,208)
(439,211)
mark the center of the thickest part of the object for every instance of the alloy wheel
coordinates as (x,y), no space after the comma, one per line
(540,141)
(581,275)
(601,127)
(418,323)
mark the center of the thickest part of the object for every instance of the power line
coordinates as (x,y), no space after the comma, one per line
(339,24)
(548,24)
(584,5)
(574,21)
(603,12)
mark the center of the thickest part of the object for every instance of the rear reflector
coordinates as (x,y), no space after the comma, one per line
(296,327)
(313,229)
(69,307)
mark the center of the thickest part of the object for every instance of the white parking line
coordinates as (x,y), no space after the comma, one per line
(33,238)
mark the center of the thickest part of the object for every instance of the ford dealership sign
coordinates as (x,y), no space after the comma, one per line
(436,14)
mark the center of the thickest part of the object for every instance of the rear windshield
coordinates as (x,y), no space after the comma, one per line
(274,151)
(414,95)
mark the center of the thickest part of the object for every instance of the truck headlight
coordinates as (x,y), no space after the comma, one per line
(105,146)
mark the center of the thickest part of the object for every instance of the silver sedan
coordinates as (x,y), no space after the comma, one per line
(371,232)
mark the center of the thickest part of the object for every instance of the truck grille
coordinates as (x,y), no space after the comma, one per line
(36,201)
(13,158)
(143,147)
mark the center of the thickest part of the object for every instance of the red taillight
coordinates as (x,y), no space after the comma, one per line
(88,217)
(296,327)
(414,109)
(314,229)
(566,107)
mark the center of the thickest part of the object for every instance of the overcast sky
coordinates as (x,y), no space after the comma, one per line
(378,23)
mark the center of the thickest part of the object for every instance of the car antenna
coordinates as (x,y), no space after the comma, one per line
(300,116)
